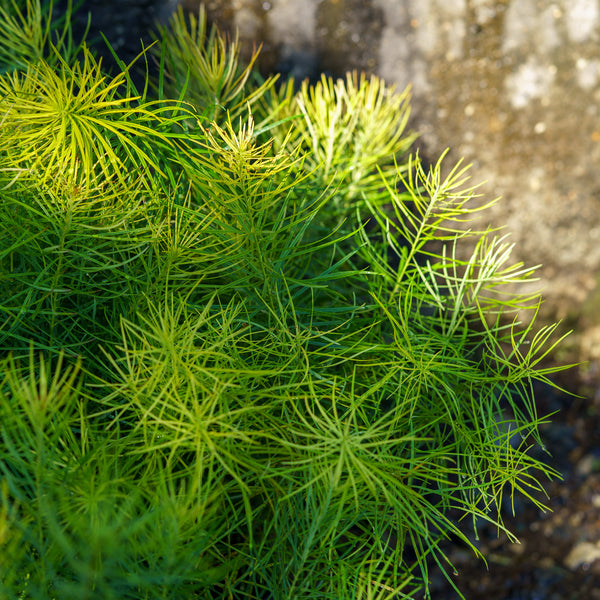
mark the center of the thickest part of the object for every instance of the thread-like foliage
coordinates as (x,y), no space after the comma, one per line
(242,353)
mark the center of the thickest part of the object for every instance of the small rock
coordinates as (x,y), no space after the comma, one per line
(582,554)
(587,465)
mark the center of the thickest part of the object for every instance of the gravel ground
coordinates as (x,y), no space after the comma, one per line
(558,557)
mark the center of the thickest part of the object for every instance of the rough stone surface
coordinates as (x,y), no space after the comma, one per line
(512,86)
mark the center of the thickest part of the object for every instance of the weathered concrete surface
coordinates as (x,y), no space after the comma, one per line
(513,86)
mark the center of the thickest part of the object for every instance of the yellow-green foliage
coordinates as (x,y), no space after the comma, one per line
(231,363)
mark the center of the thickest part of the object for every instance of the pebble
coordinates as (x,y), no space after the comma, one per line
(582,554)
(587,465)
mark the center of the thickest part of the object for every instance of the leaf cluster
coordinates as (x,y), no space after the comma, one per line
(241,356)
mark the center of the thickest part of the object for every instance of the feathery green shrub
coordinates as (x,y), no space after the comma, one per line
(241,356)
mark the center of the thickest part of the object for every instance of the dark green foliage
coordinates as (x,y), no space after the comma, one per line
(232,365)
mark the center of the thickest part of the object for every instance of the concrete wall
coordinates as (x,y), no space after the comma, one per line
(513,86)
